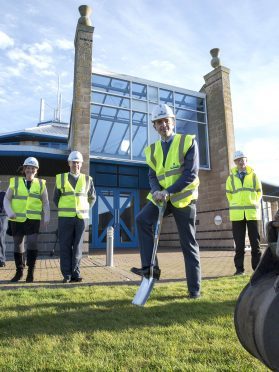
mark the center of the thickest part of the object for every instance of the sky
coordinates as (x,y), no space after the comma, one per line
(160,40)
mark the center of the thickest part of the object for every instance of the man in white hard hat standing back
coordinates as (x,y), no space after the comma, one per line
(244,193)
(74,195)
(173,176)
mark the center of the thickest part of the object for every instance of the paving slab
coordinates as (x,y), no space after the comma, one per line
(95,272)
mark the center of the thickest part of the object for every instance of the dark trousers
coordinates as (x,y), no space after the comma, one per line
(239,232)
(3,229)
(272,233)
(185,219)
(70,233)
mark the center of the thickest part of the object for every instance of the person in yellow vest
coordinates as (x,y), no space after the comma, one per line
(25,202)
(173,176)
(244,193)
(74,195)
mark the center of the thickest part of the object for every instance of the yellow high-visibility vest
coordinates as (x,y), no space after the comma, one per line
(169,173)
(244,200)
(73,201)
(27,203)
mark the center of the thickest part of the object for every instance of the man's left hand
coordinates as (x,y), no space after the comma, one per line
(164,195)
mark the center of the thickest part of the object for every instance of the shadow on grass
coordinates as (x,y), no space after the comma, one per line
(64,318)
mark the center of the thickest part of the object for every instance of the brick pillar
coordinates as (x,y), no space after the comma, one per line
(79,135)
(220,118)
(212,200)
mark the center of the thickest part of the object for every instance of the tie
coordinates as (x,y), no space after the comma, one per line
(165,147)
(242,175)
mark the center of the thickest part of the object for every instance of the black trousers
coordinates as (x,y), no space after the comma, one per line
(272,233)
(185,219)
(71,231)
(239,232)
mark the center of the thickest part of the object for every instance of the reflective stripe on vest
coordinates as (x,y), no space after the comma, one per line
(173,169)
(73,202)
(27,203)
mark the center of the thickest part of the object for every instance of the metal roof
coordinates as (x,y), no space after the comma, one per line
(47,129)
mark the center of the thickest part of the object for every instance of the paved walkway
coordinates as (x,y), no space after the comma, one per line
(95,272)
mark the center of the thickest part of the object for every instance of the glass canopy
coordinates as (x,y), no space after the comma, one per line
(120,112)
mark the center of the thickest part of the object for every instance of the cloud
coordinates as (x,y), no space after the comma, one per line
(64,44)
(41,62)
(263,156)
(45,47)
(5,41)
(17,70)
(257,88)
(163,65)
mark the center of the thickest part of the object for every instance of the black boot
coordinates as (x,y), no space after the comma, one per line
(19,262)
(31,261)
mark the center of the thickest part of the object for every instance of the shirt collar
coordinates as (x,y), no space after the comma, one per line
(242,172)
(168,140)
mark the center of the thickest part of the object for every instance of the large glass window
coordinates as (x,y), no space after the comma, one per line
(166,96)
(199,130)
(153,94)
(139,91)
(121,112)
(139,133)
(187,101)
(110,133)
(110,100)
(190,115)
(110,84)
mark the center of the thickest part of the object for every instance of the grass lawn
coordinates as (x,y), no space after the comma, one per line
(97,329)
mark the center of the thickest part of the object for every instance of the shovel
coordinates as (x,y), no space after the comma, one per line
(147,284)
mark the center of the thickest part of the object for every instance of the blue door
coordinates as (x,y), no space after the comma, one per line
(117,208)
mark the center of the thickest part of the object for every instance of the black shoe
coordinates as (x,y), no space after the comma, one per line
(66,280)
(239,272)
(76,280)
(30,277)
(2,264)
(145,271)
(193,296)
(18,276)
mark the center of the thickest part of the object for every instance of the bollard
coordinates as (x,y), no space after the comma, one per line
(110,243)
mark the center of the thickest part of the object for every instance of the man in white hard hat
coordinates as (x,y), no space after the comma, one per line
(173,176)
(74,195)
(244,193)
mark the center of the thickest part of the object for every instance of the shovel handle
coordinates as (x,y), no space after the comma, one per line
(162,207)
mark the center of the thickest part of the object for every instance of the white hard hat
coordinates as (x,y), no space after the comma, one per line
(162,111)
(75,156)
(239,154)
(31,161)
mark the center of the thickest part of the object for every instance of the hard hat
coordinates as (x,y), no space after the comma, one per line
(162,111)
(31,161)
(75,156)
(239,154)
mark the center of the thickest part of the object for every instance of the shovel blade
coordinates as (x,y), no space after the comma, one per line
(143,292)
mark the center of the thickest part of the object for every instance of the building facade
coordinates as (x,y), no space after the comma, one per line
(110,126)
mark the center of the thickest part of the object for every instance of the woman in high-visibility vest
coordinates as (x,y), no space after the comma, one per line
(25,203)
